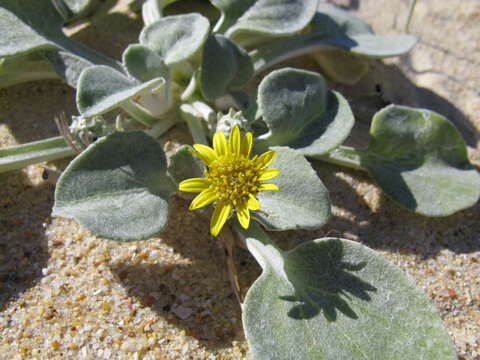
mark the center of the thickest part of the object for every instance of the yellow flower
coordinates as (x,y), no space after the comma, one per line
(231,179)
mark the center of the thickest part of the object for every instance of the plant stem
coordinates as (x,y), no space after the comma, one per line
(254,231)
(162,126)
(344,156)
(284,49)
(139,114)
(410,14)
(194,122)
(16,157)
(227,240)
(16,70)
(190,90)
(87,53)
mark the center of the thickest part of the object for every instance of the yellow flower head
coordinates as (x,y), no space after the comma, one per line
(231,179)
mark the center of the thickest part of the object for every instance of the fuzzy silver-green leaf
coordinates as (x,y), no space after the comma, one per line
(334,299)
(117,188)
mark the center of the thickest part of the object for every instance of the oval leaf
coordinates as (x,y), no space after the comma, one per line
(333,27)
(341,66)
(101,88)
(302,201)
(152,10)
(420,160)
(337,299)
(176,38)
(67,65)
(117,188)
(265,17)
(302,113)
(224,65)
(143,63)
(346,30)
(28,26)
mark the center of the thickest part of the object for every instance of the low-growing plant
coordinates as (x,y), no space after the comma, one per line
(325,299)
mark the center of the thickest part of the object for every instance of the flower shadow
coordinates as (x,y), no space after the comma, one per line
(327,286)
(189,288)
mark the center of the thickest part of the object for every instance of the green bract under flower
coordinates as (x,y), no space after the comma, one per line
(231,179)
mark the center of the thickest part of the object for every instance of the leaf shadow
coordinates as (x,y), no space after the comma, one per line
(386,84)
(362,212)
(28,109)
(111,39)
(390,175)
(318,128)
(351,5)
(25,207)
(328,285)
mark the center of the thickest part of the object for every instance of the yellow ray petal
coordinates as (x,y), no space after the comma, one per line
(247,144)
(265,159)
(220,145)
(252,203)
(268,186)
(268,174)
(203,199)
(219,217)
(243,215)
(194,185)
(205,153)
(234,141)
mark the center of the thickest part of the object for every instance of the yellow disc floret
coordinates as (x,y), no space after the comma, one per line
(232,179)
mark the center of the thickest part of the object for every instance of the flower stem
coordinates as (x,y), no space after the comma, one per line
(227,240)
(16,157)
(344,156)
(410,14)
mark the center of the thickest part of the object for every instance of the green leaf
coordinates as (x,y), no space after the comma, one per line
(264,17)
(101,88)
(184,165)
(28,26)
(67,65)
(337,299)
(348,31)
(176,38)
(152,10)
(143,63)
(225,65)
(31,26)
(420,160)
(117,188)
(341,66)
(332,27)
(74,9)
(25,68)
(302,201)
(301,112)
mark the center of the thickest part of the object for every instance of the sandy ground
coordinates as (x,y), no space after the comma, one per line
(65,294)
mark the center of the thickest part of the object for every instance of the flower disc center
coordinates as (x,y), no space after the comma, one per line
(234,179)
